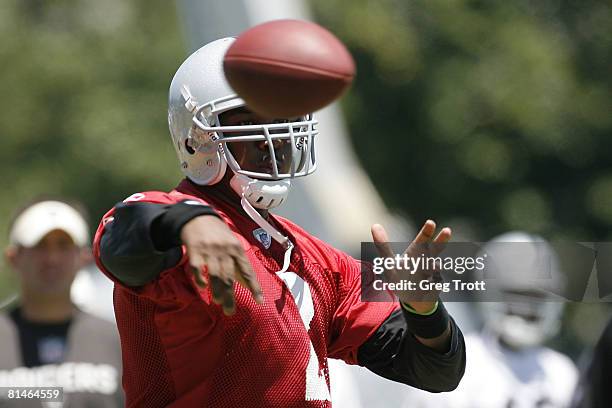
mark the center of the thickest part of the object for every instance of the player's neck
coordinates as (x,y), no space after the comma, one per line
(46,308)
(225,192)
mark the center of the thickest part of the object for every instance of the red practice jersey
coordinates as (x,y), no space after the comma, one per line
(180,350)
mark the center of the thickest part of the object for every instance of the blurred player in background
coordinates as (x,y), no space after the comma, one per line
(190,335)
(594,390)
(46,341)
(508,365)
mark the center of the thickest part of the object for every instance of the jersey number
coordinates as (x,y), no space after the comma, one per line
(316,386)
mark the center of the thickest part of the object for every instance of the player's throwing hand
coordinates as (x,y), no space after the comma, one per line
(212,245)
(422,301)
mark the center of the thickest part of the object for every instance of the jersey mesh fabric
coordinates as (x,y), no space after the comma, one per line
(277,358)
(259,356)
(146,364)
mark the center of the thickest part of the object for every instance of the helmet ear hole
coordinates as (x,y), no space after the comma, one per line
(188,147)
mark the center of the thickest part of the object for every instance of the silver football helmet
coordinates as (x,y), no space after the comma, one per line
(524,272)
(199,95)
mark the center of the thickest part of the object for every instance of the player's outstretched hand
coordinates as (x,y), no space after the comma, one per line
(421,301)
(211,244)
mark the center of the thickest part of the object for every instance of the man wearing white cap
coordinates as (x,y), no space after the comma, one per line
(46,341)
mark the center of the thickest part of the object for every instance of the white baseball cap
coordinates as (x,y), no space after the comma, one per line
(41,218)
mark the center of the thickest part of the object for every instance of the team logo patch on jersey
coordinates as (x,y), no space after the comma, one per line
(263,237)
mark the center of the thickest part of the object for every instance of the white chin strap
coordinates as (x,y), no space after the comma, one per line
(264,195)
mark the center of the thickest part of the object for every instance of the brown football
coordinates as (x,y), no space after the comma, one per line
(288,68)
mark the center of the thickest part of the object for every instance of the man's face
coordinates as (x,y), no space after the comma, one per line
(255,156)
(50,266)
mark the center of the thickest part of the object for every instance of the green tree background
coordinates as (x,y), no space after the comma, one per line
(488,116)
(84,105)
(497,112)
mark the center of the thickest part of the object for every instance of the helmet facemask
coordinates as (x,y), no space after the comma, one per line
(524,320)
(294,140)
(286,149)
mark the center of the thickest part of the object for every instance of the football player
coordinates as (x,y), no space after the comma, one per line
(219,303)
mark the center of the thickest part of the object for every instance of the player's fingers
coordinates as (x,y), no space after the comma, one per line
(229,302)
(419,244)
(426,233)
(198,274)
(226,268)
(213,265)
(249,281)
(441,239)
(247,277)
(381,240)
(217,289)
(443,236)
(243,263)
(197,265)
(223,294)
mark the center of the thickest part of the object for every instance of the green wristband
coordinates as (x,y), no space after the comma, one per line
(409,308)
